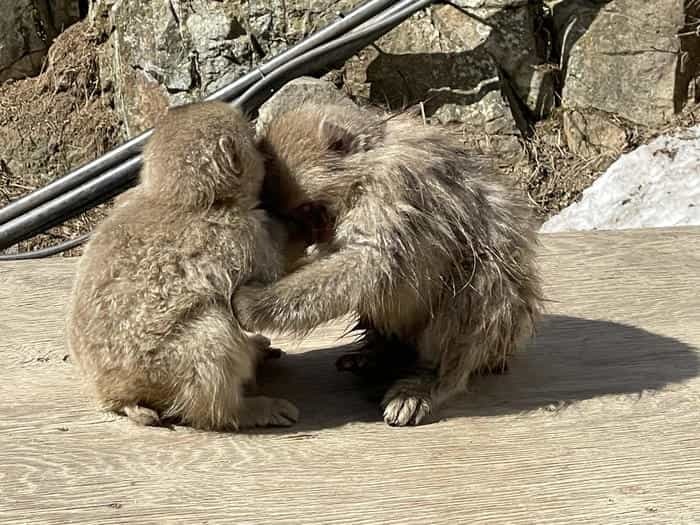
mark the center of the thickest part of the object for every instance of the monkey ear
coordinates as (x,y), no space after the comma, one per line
(337,138)
(228,157)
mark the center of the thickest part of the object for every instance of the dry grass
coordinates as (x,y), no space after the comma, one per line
(54,122)
(554,176)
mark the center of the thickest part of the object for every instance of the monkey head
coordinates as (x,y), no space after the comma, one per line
(201,154)
(304,149)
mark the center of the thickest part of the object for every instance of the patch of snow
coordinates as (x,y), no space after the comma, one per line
(655,185)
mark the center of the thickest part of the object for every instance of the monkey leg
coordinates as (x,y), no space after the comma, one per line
(460,356)
(464,337)
(449,353)
(411,398)
(220,361)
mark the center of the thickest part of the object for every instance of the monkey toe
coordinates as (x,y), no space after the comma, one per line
(407,403)
(142,415)
(409,400)
(406,410)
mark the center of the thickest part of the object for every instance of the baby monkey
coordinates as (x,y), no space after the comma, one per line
(151,324)
(427,244)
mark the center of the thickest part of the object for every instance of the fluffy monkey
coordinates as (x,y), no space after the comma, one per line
(151,324)
(428,245)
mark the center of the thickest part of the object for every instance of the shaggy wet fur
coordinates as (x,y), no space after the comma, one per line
(151,324)
(430,248)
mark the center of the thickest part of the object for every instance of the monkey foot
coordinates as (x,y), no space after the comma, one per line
(377,357)
(142,415)
(407,402)
(272,352)
(360,362)
(261,411)
(264,349)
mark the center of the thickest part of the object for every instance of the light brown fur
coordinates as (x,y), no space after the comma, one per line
(430,247)
(151,325)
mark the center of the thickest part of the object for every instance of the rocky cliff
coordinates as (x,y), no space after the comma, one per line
(556,88)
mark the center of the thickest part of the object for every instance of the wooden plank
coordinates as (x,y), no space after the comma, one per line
(596,423)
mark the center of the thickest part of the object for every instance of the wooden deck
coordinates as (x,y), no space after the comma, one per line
(597,423)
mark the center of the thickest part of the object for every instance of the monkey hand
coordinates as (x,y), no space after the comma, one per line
(246,305)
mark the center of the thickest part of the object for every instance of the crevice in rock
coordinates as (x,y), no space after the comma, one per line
(83,8)
(174,12)
(688,66)
(636,52)
(195,76)
(236,29)
(546,33)
(521,114)
(469,14)
(255,45)
(39,26)
(51,18)
(152,75)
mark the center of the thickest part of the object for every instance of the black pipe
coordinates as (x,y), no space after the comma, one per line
(357,16)
(398,6)
(328,53)
(48,251)
(71,203)
(342,25)
(119,178)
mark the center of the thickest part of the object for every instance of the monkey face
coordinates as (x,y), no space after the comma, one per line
(305,179)
(310,223)
(304,146)
(314,221)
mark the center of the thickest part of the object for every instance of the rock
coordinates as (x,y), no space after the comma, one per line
(456,61)
(27,28)
(655,185)
(298,92)
(165,53)
(506,148)
(625,56)
(591,134)
(162,53)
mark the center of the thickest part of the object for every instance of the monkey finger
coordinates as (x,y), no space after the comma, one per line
(260,341)
(272,352)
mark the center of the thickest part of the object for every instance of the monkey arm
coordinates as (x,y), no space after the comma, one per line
(323,290)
